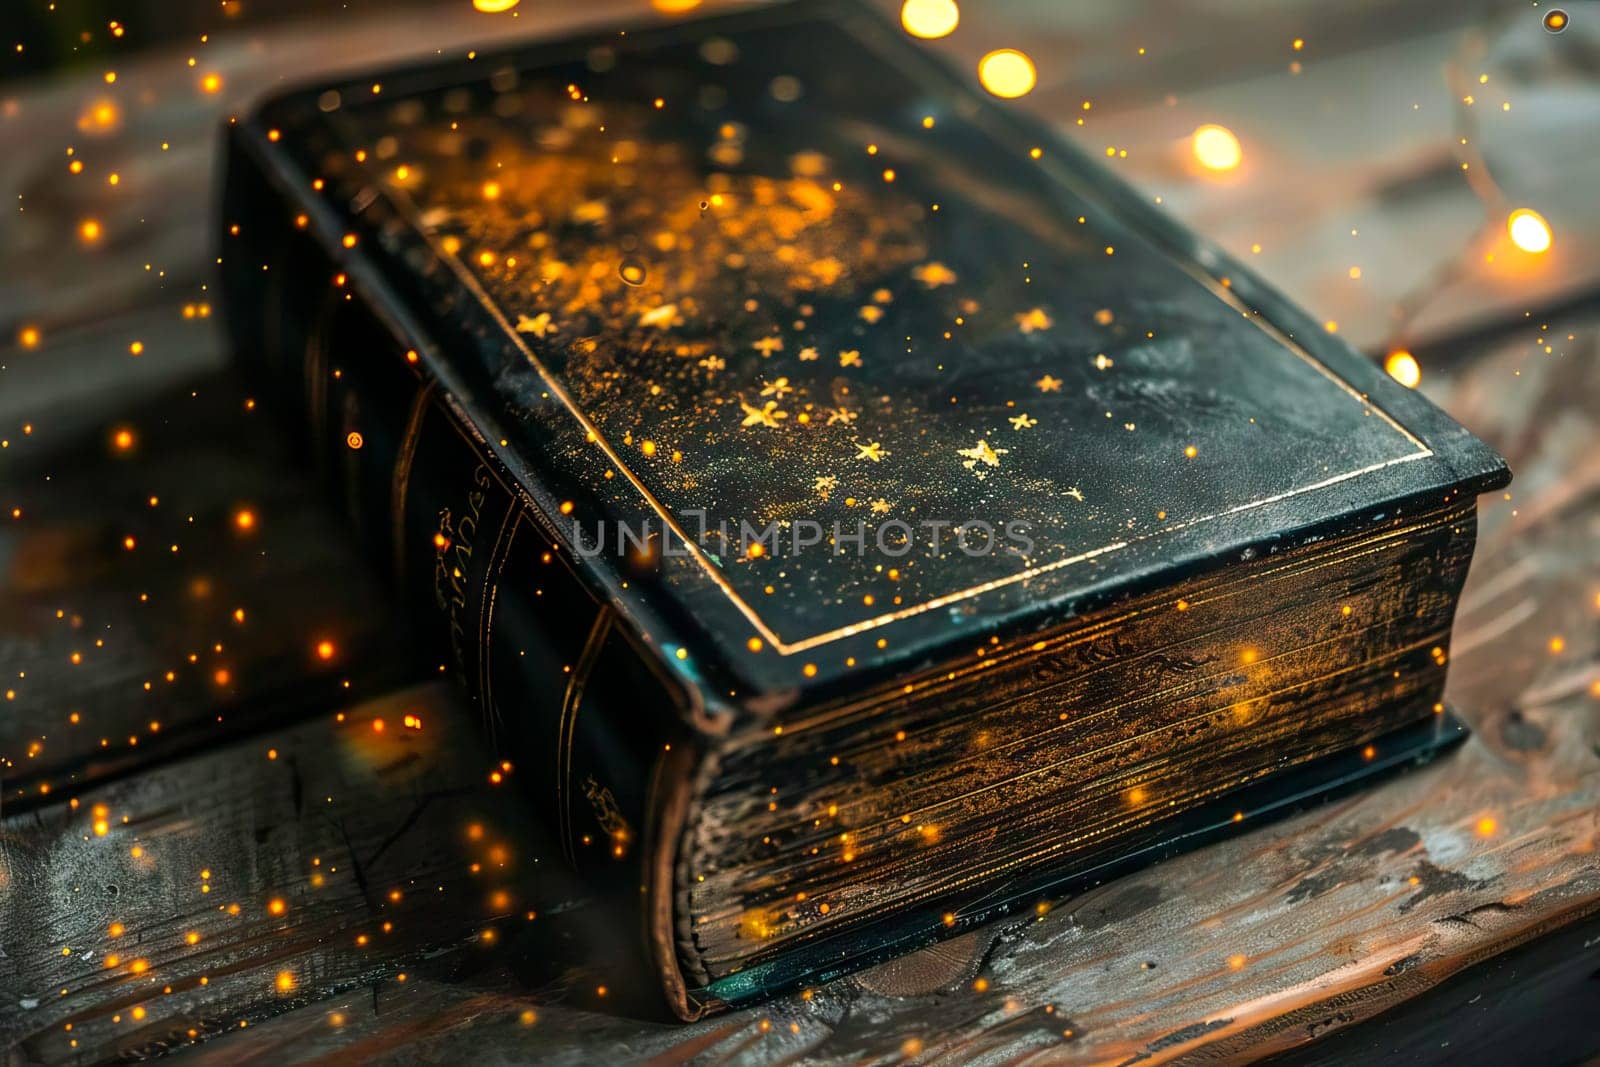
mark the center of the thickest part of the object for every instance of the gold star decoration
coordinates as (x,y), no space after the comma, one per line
(768,345)
(871,313)
(539,325)
(880,506)
(933,274)
(660,317)
(872,450)
(713,363)
(984,453)
(841,415)
(766,415)
(780,388)
(808,354)
(825,485)
(1023,421)
(1047,384)
(1034,319)
(850,358)
(1075,493)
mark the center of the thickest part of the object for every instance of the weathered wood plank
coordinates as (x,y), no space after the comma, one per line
(352,855)
(187,581)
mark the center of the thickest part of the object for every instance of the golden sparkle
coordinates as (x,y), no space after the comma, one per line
(1033,320)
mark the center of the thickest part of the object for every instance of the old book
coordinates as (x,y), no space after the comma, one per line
(856,514)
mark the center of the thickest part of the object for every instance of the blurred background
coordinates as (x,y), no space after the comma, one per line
(1374,152)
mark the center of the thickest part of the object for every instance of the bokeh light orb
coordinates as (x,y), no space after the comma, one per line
(1007,73)
(929,19)
(1217,148)
(1403,368)
(1529,231)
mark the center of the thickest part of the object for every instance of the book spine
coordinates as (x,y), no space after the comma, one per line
(579,710)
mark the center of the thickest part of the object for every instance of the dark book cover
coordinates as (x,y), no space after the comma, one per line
(743,402)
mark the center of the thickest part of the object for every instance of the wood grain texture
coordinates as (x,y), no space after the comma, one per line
(1262,944)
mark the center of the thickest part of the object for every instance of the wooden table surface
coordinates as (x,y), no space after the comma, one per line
(213,839)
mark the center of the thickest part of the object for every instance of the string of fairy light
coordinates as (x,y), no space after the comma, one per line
(1009,73)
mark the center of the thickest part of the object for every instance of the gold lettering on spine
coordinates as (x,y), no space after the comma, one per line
(569,721)
(453,562)
(401,480)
